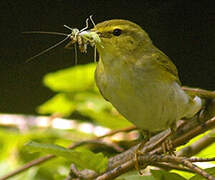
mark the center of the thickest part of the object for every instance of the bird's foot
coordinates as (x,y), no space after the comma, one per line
(164,141)
(168,147)
(137,154)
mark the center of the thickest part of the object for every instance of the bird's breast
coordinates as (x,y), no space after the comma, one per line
(141,96)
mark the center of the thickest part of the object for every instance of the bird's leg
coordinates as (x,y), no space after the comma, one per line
(164,141)
(138,152)
(167,145)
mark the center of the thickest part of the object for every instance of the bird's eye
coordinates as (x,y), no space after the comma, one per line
(117,32)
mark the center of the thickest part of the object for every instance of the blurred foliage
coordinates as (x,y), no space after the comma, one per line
(76,97)
(77,93)
(14,153)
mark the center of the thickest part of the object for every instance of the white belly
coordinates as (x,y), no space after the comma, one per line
(142,98)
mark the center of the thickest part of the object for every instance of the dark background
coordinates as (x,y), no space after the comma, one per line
(184,30)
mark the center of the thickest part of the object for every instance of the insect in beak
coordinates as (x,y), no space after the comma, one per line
(82,38)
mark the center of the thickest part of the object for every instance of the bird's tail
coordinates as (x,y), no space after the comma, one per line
(202,101)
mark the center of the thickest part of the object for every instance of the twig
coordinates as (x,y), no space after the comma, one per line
(111,145)
(196,169)
(73,172)
(169,166)
(197,146)
(199,92)
(127,129)
(84,174)
(117,171)
(27,166)
(185,162)
(196,159)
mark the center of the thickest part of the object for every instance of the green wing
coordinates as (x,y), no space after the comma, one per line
(165,63)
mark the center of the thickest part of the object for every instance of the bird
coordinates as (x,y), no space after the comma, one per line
(138,79)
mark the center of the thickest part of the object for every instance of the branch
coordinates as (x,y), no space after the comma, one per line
(125,161)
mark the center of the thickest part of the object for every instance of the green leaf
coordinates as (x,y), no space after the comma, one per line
(211,171)
(78,78)
(186,175)
(58,104)
(161,174)
(82,158)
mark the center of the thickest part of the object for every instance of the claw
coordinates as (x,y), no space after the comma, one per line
(167,147)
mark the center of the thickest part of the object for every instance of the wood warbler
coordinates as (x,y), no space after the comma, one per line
(138,79)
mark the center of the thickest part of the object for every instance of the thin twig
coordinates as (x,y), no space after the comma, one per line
(197,146)
(196,169)
(183,161)
(111,145)
(196,159)
(84,174)
(169,166)
(117,171)
(200,92)
(27,166)
(127,129)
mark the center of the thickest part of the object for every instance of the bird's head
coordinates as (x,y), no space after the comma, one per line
(119,38)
